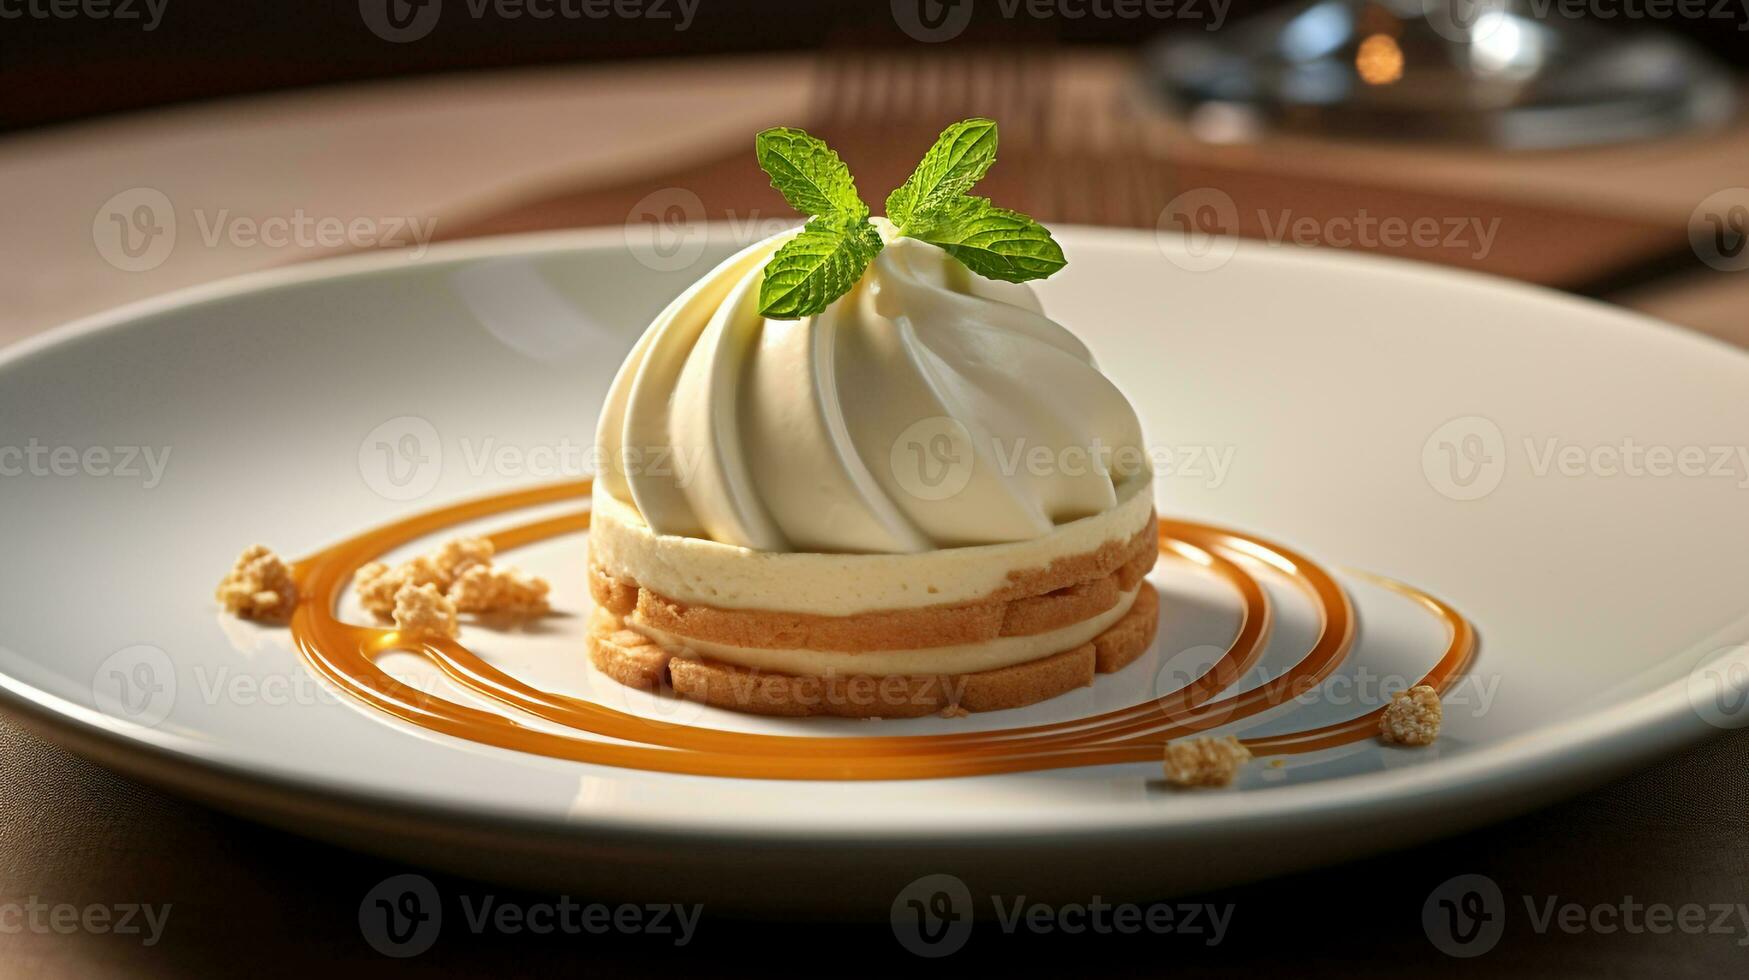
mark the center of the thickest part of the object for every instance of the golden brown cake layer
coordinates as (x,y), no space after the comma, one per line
(631,658)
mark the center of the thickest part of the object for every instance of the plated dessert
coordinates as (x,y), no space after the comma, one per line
(856,470)
(510,724)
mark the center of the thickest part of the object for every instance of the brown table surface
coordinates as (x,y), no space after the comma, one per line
(245,899)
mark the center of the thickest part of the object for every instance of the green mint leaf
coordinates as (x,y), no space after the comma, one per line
(807,173)
(962,154)
(993,242)
(817,266)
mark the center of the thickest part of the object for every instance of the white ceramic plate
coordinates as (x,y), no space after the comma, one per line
(1463,434)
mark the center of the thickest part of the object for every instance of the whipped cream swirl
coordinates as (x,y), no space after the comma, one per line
(927,408)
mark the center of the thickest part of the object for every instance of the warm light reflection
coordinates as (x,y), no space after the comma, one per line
(1500,44)
(1379,61)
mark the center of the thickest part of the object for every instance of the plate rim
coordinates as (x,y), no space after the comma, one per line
(1585,749)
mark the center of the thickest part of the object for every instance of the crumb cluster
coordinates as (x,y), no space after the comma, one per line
(377,584)
(423,609)
(483,589)
(1205,761)
(426,592)
(1412,717)
(259,586)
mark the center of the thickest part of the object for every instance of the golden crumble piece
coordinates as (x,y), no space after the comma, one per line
(462,573)
(1205,761)
(378,584)
(259,586)
(459,555)
(485,589)
(955,711)
(424,609)
(1412,717)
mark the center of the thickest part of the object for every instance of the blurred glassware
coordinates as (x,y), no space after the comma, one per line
(1471,71)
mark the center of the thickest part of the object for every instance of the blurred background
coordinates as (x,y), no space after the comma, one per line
(62,69)
(1597,146)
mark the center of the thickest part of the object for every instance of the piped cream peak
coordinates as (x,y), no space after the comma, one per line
(925,408)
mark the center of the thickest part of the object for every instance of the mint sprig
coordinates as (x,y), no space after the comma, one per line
(962,154)
(994,242)
(827,258)
(933,205)
(817,266)
(807,173)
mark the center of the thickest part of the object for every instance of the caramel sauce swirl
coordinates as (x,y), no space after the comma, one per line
(346,654)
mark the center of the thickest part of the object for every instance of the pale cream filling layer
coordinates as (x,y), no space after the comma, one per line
(965,658)
(708,573)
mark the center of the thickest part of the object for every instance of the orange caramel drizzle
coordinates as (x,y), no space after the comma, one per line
(346,654)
